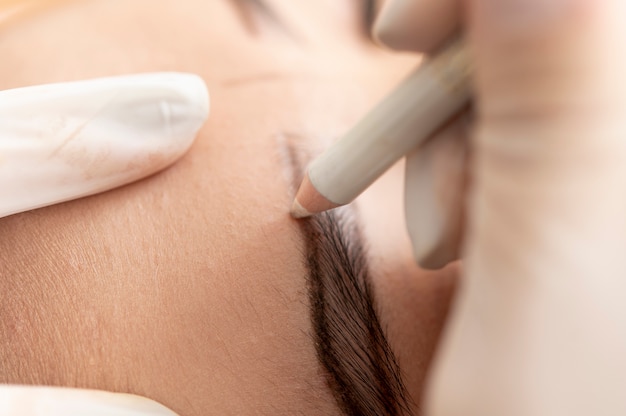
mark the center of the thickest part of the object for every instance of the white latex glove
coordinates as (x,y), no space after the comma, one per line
(538,326)
(64,141)
(55,401)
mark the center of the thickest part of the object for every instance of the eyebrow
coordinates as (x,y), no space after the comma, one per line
(360,368)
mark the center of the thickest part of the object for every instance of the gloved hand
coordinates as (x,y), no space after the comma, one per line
(538,326)
(64,141)
(56,401)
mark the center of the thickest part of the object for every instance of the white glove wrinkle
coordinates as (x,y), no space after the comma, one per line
(60,142)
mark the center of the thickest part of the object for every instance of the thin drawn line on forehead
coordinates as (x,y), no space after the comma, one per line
(360,367)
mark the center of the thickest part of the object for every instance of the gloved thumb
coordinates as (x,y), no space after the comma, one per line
(538,325)
(550,143)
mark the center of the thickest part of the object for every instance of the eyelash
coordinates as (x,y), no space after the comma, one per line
(368,14)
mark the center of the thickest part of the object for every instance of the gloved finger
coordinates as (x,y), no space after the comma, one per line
(417,25)
(435,185)
(65,141)
(57,401)
(551,137)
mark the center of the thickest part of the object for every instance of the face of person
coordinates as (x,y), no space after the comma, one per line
(194,287)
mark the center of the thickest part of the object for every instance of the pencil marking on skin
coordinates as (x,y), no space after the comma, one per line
(292,156)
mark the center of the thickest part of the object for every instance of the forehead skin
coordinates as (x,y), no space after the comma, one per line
(188,287)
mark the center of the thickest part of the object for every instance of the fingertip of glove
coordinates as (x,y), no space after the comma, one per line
(416,26)
(390,29)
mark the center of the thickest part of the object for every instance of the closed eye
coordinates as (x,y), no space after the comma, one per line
(252,10)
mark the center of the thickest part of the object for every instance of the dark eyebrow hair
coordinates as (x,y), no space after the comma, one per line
(363,372)
(361,369)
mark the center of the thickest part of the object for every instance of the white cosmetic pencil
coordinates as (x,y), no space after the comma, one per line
(437,90)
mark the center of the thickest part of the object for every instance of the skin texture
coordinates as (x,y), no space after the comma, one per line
(189,287)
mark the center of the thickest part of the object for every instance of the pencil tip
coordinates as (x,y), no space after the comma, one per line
(309,201)
(298,211)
